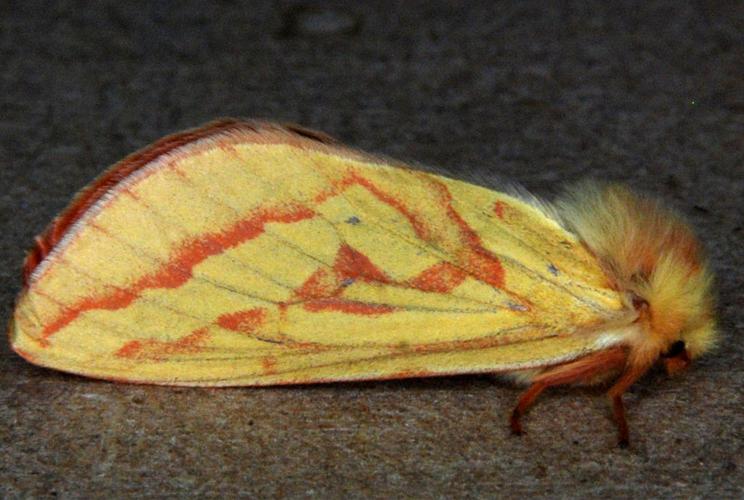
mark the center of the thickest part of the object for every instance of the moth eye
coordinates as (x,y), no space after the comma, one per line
(675,349)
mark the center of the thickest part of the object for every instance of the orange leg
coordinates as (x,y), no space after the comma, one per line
(618,410)
(525,401)
(587,369)
(616,395)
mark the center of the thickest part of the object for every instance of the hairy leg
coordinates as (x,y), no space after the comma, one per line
(591,368)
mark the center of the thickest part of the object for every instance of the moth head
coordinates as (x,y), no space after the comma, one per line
(653,257)
(679,322)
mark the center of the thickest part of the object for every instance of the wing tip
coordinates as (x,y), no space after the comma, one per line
(90,194)
(45,242)
(16,344)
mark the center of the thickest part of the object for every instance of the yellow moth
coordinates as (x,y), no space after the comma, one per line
(250,253)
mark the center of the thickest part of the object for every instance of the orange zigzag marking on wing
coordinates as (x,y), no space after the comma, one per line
(179,269)
(481,262)
(439,278)
(157,350)
(106,181)
(444,277)
(352,264)
(322,283)
(320,291)
(248,321)
(349,265)
(419,226)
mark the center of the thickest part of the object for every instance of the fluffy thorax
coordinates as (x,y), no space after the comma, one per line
(652,255)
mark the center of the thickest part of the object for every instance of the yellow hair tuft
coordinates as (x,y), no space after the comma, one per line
(652,255)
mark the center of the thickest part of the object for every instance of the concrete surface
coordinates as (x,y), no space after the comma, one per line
(650,93)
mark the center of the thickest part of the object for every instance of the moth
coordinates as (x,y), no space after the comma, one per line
(248,253)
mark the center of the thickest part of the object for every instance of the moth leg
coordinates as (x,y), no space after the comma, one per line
(616,397)
(618,411)
(525,401)
(592,368)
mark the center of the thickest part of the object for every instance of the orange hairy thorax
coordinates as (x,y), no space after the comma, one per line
(651,254)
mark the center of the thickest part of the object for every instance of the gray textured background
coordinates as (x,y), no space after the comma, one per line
(651,93)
